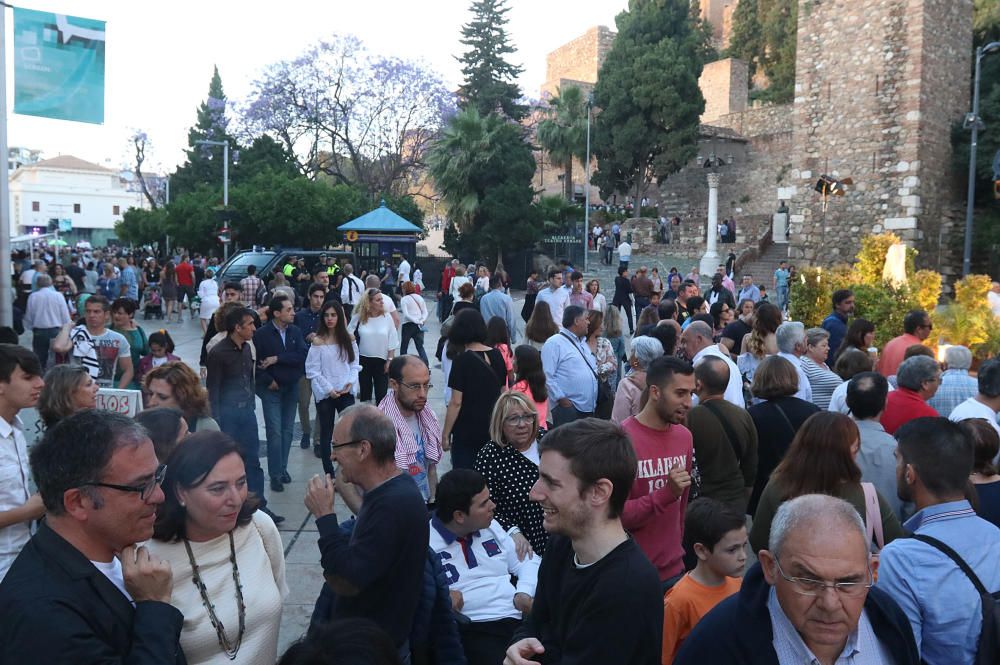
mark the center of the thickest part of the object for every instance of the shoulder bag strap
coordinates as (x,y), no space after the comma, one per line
(582,356)
(730,434)
(959,561)
(873,515)
(784,417)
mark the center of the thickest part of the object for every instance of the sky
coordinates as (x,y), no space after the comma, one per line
(160,56)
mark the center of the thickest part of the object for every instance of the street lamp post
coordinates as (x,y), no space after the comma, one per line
(973,122)
(586,189)
(225,190)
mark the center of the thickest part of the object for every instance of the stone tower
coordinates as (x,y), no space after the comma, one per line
(879,84)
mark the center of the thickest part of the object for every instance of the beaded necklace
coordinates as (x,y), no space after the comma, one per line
(228,647)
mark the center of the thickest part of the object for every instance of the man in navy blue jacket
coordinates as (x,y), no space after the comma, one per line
(810,599)
(836,322)
(281,362)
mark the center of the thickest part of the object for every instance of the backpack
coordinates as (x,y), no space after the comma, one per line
(988,647)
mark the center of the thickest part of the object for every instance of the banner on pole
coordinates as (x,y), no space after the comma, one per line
(58,66)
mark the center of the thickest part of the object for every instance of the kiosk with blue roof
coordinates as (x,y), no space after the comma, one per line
(378,235)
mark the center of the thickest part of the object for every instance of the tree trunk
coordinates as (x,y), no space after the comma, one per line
(638,197)
(568,181)
(500,259)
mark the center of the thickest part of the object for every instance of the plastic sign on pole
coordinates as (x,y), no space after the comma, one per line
(58,66)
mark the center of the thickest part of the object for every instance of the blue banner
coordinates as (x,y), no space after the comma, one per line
(58,66)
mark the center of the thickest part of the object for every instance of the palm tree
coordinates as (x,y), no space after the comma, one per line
(564,132)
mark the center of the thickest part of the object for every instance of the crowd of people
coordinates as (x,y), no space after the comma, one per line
(711,484)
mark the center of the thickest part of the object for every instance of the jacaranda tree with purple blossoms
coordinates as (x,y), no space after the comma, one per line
(349,115)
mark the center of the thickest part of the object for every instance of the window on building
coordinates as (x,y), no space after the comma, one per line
(116,210)
(76,207)
(35,206)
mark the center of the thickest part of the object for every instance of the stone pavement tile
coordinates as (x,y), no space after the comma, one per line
(294,621)
(300,547)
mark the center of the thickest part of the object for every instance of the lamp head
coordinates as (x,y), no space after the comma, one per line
(992,47)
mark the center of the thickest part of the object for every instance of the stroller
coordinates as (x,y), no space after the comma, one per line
(154,303)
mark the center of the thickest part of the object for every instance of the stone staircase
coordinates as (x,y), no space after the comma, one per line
(762,268)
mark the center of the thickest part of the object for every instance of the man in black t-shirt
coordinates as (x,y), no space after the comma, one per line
(598,598)
(733,334)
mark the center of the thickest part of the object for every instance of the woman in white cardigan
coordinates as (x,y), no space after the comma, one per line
(225,555)
(377,341)
(414,311)
(332,367)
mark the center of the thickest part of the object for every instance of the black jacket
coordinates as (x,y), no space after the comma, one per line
(738,630)
(623,289)
(56,607)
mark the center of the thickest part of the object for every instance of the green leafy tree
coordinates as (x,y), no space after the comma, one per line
(203,164)
(648,95)
(483,168)
(765,35)
(490,78)
(139,226)
(563,133)
(193,219)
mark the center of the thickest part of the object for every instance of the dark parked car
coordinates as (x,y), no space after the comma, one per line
(267,260)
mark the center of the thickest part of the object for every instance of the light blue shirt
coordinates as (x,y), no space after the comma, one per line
(556,299)
(939,600)
(862,647)
(877,462)
(498,303)
(131,283)
(567,374)
(956,386)
(805,388)
(749,293)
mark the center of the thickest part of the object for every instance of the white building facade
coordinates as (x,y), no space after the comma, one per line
(91,197)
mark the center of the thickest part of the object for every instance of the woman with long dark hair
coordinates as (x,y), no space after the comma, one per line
(540,325)
(226,556)
(821,460)
(529,379)
(860,335)
(760,342)
(332,367)
(477,377)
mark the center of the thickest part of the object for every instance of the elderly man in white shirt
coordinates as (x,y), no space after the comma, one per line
(19,508)
(791,340)
(697,344)
(986,403)
(46,313)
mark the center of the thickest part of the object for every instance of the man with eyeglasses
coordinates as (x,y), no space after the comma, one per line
(82,591)
(917,327)
(418,433)
(934,459)
(375,572)
(809,599)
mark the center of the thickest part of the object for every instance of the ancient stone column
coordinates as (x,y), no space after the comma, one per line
(710,260)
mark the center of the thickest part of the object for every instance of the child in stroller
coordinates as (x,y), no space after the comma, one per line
(154,303)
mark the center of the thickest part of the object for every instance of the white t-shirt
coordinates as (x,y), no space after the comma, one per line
(971,409)
(531,452)
(113,571)
(624,251)
(404,271)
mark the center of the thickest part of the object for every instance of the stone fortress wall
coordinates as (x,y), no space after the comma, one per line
(879,84)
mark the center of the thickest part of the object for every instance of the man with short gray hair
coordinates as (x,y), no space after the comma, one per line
(377,571)
(791,340)
(47,312)
(917,380)
(809,599)
(956,384)
(697,345)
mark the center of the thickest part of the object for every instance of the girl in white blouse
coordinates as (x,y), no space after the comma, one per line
(375,332)
(332,366)
(414,314)
(225,555)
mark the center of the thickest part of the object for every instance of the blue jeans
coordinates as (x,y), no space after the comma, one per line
(782,297)
(412,331)
(567,414)
(280,407)
(241,425)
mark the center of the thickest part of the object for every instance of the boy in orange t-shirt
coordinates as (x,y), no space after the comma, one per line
(718,536)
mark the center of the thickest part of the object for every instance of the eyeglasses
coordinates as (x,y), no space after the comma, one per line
(518,420)
(809,587)
(344,445)
(417,386)
(144,491)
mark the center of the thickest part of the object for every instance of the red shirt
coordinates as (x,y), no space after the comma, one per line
(446,276)
(903,405)
(653,515)
(185,274)
(892,354)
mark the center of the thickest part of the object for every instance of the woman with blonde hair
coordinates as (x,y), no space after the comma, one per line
(375,332)
(760,342)
(68,389)
(509,463)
